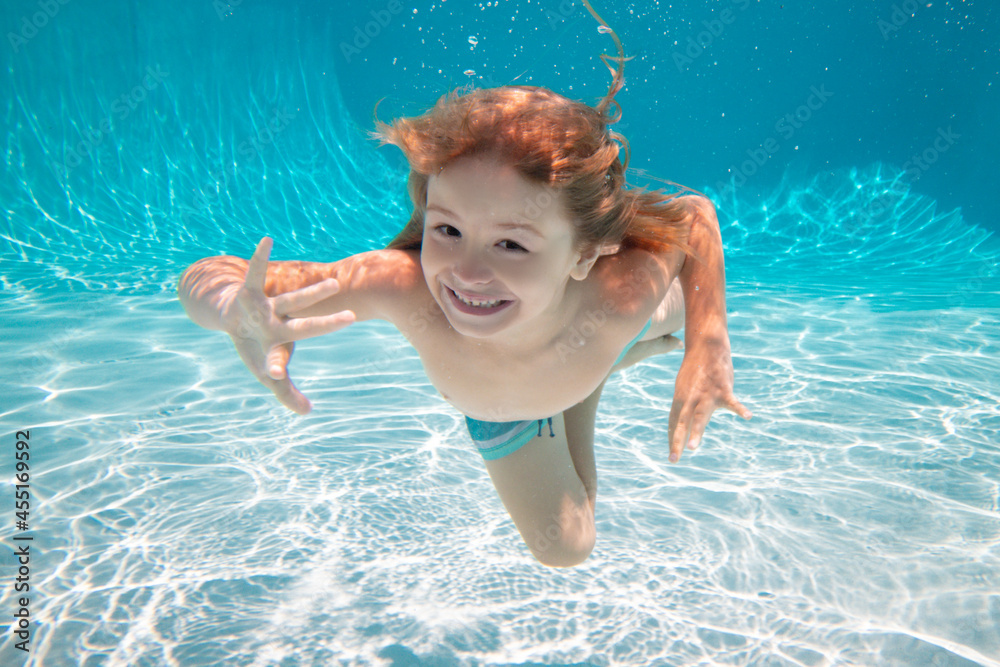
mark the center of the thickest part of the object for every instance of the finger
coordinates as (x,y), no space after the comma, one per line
(677,444)
(280,384)
(678,431)
(283,389)
(310,327)
(737,407)
(257,268)
(305,297)
(252,355)
(289,396)
(699,421)
(675,410)
(277,362)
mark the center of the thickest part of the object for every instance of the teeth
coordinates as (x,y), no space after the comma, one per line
(477,304)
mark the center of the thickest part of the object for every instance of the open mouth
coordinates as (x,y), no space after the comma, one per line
(476,306)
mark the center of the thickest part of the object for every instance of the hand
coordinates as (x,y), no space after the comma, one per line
(264,334)
(704,383)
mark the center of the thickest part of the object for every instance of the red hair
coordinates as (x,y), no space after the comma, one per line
(550,140)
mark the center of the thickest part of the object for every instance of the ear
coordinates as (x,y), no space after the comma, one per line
(585,262)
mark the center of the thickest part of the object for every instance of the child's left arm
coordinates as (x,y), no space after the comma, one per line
(705,379)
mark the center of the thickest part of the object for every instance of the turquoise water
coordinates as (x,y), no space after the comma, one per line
(180,516)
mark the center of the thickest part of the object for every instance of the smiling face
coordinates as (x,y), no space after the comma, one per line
(498,251)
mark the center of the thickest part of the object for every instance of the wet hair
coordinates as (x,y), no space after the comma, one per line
(549,140)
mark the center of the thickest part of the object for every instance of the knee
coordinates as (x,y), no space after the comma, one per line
(671,310)
(562,545)
(562,557)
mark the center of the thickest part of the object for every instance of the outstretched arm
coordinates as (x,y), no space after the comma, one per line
(251,301)
(705,379)
(266,306)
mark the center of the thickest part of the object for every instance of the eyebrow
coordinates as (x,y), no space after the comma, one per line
(518,226)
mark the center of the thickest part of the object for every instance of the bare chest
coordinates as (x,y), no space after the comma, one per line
(494,386)
(491,386)
(486,387)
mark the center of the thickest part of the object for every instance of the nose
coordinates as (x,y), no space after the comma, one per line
(471,267)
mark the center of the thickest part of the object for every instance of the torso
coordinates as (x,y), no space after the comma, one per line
(615,301)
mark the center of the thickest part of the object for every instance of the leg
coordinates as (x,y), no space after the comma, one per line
(668,317)
(579,421)
(647,348)
(549,486)
(580,418)
(541,489)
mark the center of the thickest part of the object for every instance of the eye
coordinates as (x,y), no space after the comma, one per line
(447,230)
(513,246)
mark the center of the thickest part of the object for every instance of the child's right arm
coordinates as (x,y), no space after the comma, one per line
(266,308)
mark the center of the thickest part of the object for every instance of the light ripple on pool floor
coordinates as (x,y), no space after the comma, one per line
(185,518)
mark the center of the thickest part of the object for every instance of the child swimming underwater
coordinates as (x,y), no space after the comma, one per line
(525,275)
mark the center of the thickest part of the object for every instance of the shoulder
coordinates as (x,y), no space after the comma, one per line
(638,279)
(698,205)
(632,282)
(395,279)
(697,209)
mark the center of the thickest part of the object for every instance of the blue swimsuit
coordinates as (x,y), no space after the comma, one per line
(496,440)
